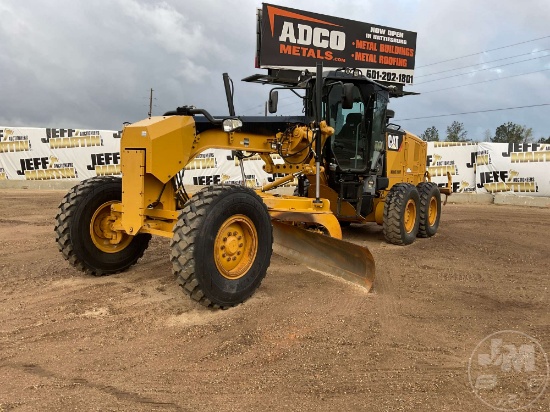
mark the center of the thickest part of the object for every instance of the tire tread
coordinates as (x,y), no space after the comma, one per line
(185,235)
(64,217)
(425,190)
(394,204)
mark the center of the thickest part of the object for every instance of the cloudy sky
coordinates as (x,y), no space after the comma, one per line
(90,64)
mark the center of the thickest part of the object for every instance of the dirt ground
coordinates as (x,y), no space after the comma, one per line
(304,341)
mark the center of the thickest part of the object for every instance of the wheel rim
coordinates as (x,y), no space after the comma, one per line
(235,247)
(101,232)
(432,211)
(409,219)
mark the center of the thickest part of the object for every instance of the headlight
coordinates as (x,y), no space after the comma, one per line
(230,125)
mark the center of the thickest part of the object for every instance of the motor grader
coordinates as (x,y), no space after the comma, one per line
(352,167)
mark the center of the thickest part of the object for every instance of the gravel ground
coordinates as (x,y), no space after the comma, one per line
(303,342)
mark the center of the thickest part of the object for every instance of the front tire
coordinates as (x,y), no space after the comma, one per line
(401,222)
(83,229)
(222,245)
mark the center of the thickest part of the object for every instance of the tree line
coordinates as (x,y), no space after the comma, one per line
(505,133)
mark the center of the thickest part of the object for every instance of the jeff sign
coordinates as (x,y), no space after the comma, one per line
(290,38)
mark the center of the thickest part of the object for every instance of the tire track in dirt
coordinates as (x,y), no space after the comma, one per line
(108,389)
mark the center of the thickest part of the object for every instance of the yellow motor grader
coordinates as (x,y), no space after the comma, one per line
(352,167)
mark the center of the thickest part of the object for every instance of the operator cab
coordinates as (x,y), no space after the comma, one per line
(359,130)
(356,107)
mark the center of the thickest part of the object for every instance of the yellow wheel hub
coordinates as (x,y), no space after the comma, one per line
(235,246)
(103,237)
(432,211)
(409,219)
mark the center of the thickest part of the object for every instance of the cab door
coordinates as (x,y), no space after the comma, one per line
(349,143)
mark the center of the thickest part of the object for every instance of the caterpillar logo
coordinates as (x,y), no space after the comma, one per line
(3,174)
(394,142)
(13,143)
(69,138)
(203,161)
(105,163)
(450,144)
(46,168)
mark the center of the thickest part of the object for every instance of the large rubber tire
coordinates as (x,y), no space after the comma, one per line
(74,229)
(401,218)
(430,209)
(198,243)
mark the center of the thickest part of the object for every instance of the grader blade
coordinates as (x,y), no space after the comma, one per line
(336,257)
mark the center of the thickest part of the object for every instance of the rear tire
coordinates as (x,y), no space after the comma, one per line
(82,226)
(430,209)
(401,222)
(222,245)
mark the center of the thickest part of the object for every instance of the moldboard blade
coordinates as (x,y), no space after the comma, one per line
(326,254)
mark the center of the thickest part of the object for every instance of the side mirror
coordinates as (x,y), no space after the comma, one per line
(273,100)
(347,96)
(390,114)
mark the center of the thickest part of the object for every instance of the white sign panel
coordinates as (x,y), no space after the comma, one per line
(520,168)
(456,159)
(61,154)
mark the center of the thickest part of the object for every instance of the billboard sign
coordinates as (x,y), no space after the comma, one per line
(290,38)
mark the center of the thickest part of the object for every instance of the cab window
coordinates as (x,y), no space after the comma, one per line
(378,127)
(349,142)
